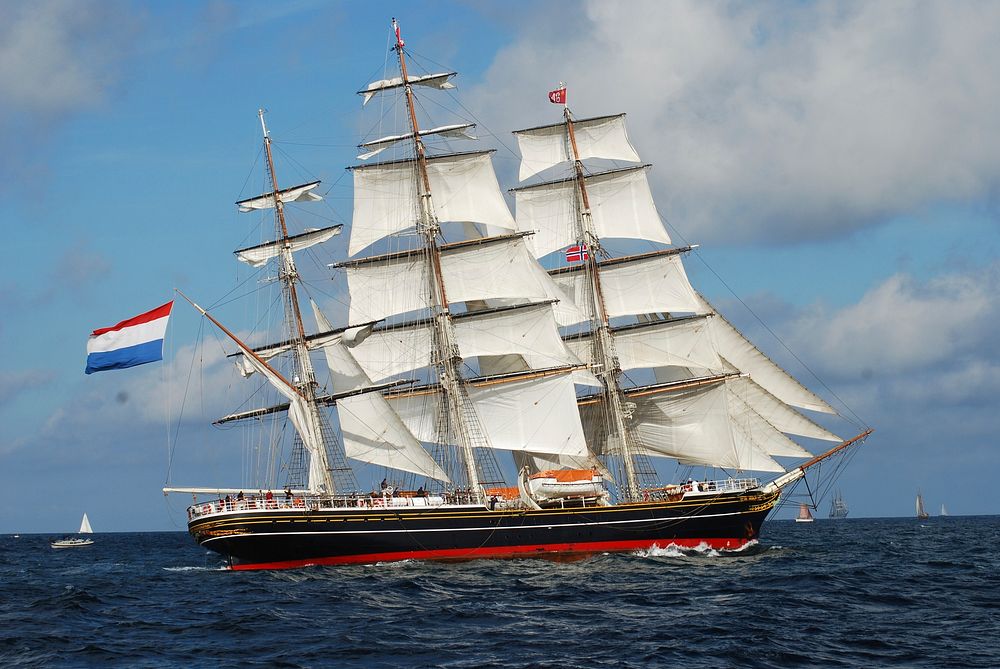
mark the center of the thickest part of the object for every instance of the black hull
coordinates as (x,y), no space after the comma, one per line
(286,538)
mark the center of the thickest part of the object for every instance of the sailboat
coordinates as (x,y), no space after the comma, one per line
(921,512)
(944,511)
(805,515)
(495,391)
(838,507)
(74,542)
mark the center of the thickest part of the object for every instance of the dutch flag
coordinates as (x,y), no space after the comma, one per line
(132,342)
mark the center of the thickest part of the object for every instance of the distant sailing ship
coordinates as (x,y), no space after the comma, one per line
(493,391)
(921,512)
(944,511)
(75,542)
(805,515)
(838,507)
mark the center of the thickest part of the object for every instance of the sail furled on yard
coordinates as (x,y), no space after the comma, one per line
(649,283)
(547,146)
(530,414)
(491,268)
(256,256)
(377,146)
(302,193)
(440,81)
(387,196)
(372,431)
(621,205)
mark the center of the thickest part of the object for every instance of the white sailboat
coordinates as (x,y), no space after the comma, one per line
(944,511)
(75,542)
(921,511)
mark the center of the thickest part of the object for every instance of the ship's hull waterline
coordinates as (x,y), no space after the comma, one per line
(291,538)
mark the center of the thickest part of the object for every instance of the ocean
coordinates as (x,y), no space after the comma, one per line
(834,593)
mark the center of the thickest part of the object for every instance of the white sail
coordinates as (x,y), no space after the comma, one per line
(674,343)
(697,427)
(547,146)
(256,256)
(372,431)
(305,421)
(494,268)
(303,193)
(536,414)
(621,205)
(377,146)
(649,283)
(777,413)
(440,81)
(85,525)
(739,352)
(387,199)
(529,331)
(324,340)
(756,430)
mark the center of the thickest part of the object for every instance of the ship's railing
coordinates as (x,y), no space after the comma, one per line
(297,503)
(693,487)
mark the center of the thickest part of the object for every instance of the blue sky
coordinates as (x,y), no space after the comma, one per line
(839,165)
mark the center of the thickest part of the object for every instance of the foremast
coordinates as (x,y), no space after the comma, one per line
(305,382)
(446,354)
(606,359)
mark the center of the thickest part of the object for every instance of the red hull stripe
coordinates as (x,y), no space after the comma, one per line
(541,550)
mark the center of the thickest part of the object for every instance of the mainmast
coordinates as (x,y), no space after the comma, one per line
(305,382)
(447,354)
(609,370)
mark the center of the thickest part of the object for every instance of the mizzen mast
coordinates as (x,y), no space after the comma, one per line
(610,370)
(459,407)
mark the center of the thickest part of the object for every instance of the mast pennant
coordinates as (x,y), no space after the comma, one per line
(301,193)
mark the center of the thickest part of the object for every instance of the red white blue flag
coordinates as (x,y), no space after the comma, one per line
(558,96)
(577,253)
(132,342)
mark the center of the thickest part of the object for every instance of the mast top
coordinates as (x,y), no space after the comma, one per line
(260,113)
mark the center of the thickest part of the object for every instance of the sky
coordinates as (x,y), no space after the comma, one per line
(837,163)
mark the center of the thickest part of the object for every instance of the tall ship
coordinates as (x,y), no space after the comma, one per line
(838,507)
(516,386)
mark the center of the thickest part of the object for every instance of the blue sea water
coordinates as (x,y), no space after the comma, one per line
(845,593)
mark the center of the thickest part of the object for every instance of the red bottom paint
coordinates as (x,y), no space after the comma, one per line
(549,551)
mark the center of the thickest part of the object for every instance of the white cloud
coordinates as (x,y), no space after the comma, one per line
(905,326)
(776,120)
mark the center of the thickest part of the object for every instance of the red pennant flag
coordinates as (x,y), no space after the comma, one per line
(399,38)
(558,96)
(577,253)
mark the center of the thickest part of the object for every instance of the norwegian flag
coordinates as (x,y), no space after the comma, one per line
(399,38)
(577,253)
(558,96)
